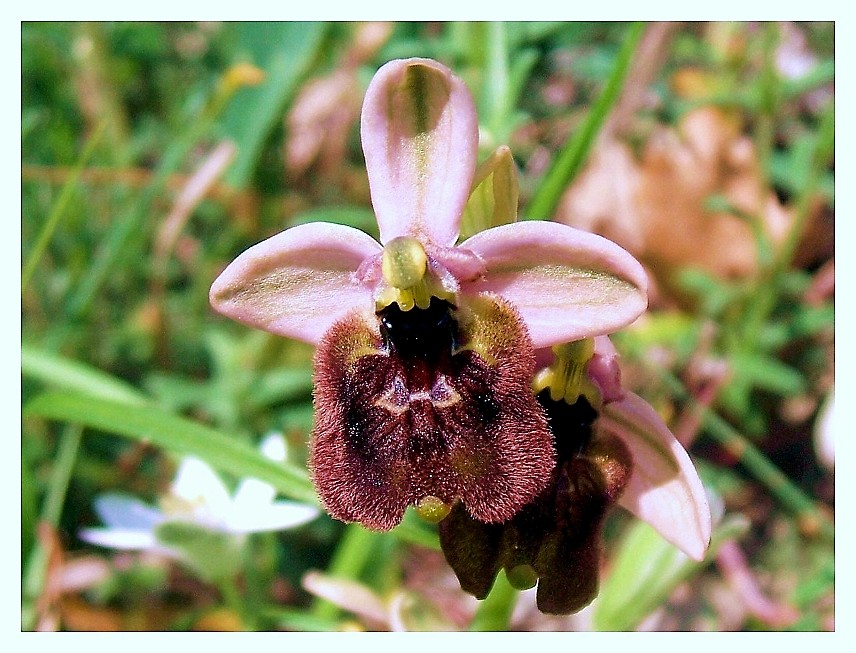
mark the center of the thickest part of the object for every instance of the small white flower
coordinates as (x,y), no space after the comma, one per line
(824,432)
(199,497)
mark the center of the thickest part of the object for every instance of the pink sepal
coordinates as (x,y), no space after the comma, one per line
(298,283)
(567,284)
(420,139)
(664,488)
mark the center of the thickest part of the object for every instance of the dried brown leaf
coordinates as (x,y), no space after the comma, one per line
(656,205)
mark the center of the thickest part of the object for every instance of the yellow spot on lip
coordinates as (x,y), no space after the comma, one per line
(432,509)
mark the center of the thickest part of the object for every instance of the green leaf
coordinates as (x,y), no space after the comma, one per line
(816,586)
(358,217)
(285,52)
(212,555)
(646,571)
(177,434)
(68,374)
(178,393)
(280,385)
(299,620)
(494,613)
(767,373)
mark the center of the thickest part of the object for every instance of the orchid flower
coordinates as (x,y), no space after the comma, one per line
(426,347)
(198,502)
(664,488)
(612,448)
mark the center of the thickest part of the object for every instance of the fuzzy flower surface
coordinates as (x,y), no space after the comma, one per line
(198,509)
(612,449)
(426,345)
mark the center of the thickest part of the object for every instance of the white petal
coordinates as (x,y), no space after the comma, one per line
(198,484)
(664,488)
(824,432)
(125,511)
(126,539)
(253,494)
(274,517)
(273,447)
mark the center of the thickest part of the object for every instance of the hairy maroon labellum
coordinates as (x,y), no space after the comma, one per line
(431,402)
(554,540)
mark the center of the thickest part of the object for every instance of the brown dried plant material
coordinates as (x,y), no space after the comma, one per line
(221,620)
(680,171)
(656,205)
(78,615)
(320,120)
(602,199)
(47,604)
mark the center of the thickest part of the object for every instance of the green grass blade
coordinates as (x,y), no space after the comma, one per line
(645,571)
(66,374)
(59,207)
(415,530)
(298,620)
(285,52)
(29,506)
(576,150)
(176,434)
(34,574)
(494,613)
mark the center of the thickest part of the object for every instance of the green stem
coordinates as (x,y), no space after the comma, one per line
(768,286)
(768,87)
(36,568)
(59,206)
(66,456)
(822,153)
(756,463)
(354,550)
(496,83)
(234,601)
(494,613)
(576,150)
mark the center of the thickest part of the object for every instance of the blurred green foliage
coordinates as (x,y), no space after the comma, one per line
(124,365)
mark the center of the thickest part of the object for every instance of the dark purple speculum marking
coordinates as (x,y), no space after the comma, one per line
(428,402)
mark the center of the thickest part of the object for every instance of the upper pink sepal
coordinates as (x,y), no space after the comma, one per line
(664,488)
(420,139)
(566,283)
(298,283)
